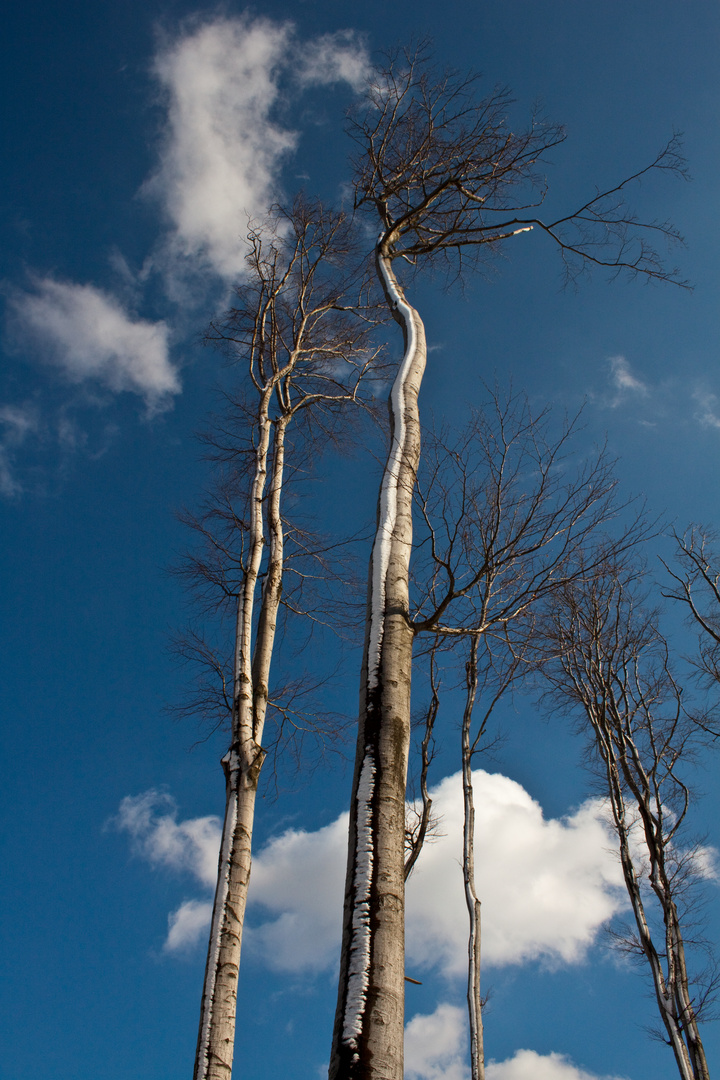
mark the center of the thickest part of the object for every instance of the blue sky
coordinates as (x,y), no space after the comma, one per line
(136,140)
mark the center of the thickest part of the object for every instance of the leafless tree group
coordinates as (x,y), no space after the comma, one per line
(516,559)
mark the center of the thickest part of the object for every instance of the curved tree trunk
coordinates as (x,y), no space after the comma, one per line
(368,1035)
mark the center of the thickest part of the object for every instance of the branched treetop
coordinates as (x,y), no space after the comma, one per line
(697,585)
(302,321)
(301,333)
(446,175)
(503,514)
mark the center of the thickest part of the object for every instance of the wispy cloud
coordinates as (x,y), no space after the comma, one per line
(17,423)
(332,58)
(547,885)
(88,335)
(707,408)
(625,384)
(191,846)
(224,147)
(222,151)
(227,85)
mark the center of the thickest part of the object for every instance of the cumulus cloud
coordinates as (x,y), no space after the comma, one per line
(547,885)
(187,925)
(527,1065)
(89,336)
(224,147)
(436,1048)
(624,382)
(192,845)
(436,1045)
(298,878)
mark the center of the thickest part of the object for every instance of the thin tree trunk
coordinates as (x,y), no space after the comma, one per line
(242,765)
(477,1056)
(368,1034)
(671,989)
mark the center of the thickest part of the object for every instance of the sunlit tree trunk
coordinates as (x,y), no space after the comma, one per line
(606,656)
(368,1035)
(243,762)
(477,1057)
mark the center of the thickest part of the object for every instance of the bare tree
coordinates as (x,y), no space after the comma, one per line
(604,657)
(503,518)
(697,585)
(420,821)
(493,677)
(448,180)
(301,331)
(502,511)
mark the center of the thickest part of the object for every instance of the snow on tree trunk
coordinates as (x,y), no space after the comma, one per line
(368,1035)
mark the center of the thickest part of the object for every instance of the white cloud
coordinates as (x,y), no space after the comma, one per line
(224,146)
(707,408)
(528,1065)
(187,925)
(547,885)
(338,57)
(436,1045)
(436,1048)
(222,151)
(192,845)
(299,877)
(17,422)
(624,381)
(87,334)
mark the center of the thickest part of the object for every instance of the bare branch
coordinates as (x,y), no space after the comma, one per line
(448,176)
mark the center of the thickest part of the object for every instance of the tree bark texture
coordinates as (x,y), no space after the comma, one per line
(243,761)
(477,1056)
(368,1034)
(672,993)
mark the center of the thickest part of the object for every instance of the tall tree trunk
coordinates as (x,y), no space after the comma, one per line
(477,1055)
(242,765)
(368,1034)
(671,987)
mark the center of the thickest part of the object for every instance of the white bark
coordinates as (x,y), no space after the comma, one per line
(368,1036)
(477,1056)
(641,732)
(242,764)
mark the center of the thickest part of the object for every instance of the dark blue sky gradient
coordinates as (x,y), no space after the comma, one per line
(87,601)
